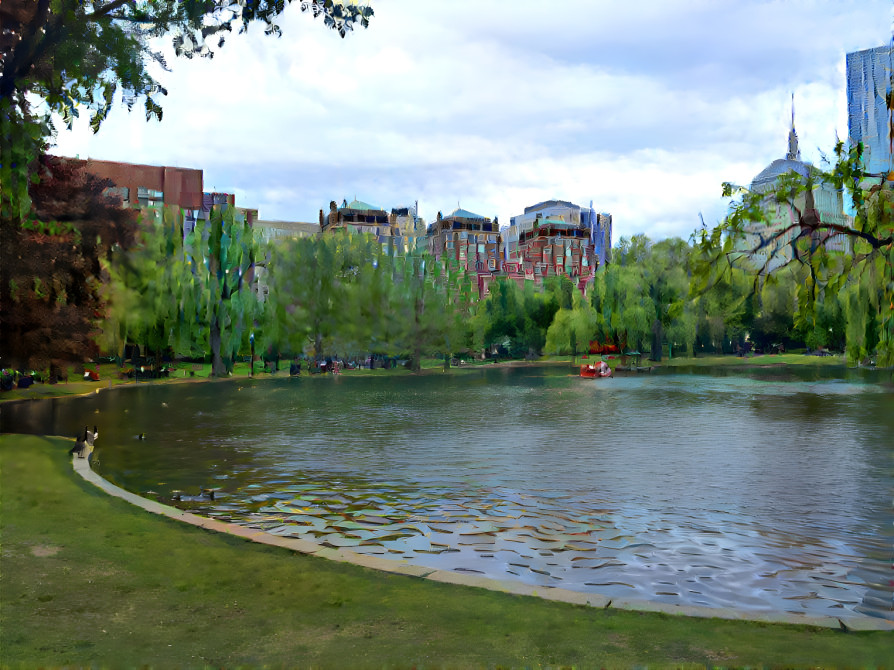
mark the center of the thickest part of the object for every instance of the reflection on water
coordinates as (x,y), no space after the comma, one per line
(746,490)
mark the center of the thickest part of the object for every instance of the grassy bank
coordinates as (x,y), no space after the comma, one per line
(186,373)
(189,373)
(752,360)
(89,580)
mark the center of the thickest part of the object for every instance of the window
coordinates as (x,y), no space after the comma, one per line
(148,197)
(121,192)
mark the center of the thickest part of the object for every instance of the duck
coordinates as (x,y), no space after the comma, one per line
(205,494)
(80,444)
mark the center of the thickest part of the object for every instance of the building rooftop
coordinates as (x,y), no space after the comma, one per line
(551,203)
(362,206)
(465,214)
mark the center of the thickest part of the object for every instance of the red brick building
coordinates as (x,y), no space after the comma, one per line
(148,185)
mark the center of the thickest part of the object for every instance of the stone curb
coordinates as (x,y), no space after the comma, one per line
(402,567)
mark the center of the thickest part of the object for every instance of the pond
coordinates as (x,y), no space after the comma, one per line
(767,489)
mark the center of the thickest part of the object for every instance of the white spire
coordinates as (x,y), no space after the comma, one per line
(794,153)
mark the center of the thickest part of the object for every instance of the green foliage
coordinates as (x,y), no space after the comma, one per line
(346,294)
(839,294)
(572,329)
(78,55)
(185,294)
(518,318)
(308,301)
(221,251)
(644,294)
(21,141)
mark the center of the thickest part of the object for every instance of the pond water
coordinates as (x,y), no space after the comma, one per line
(768,489)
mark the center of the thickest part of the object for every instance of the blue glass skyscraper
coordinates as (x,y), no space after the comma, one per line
(869,79)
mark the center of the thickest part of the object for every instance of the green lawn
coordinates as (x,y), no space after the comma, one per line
(88,580)
(187,372)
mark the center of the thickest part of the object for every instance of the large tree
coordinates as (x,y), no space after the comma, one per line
(80,52)
(77,55)
(307,308)
(52,268)
(809,244)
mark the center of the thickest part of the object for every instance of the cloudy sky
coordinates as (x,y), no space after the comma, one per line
(643,107)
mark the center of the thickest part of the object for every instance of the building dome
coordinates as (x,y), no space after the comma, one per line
(767,177)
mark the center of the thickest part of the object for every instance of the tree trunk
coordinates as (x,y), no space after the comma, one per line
(218,368)
(416,363)
(656,341)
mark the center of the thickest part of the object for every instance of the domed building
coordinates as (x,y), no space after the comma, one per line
(770,243)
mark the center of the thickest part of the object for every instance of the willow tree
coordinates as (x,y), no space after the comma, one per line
(156,290)
(621,298)
(423,306)
(308,307)
(221,251)
(811,243)
(572,329)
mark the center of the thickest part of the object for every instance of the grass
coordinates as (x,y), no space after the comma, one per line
(752,360)
(88,580)
(189,373)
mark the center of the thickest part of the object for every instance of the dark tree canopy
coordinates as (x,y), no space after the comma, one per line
(80,52)
(50,281)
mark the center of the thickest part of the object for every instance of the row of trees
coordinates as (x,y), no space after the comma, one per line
(345,295)
(192,294)
(77,274)
(66,268)
(60,234)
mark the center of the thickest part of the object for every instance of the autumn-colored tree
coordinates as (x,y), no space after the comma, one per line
(52,267)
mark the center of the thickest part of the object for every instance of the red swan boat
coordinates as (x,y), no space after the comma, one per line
(600,369)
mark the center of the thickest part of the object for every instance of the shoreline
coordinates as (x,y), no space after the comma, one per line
(851,621)
(89,579)
(109,379)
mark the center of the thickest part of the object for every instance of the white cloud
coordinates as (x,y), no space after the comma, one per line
(644,108)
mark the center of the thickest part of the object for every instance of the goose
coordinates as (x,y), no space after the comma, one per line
(80,444)
(205,494)
(91,437)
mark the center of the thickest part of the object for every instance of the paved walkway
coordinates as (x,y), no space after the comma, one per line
(402,567)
